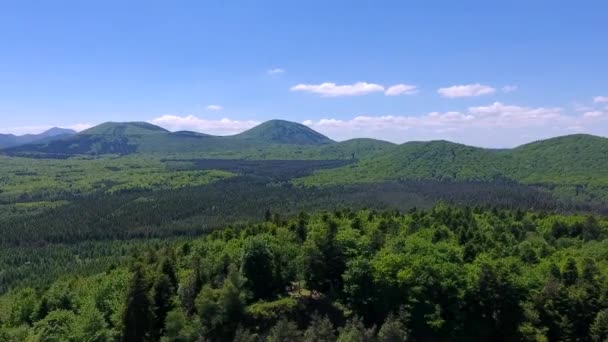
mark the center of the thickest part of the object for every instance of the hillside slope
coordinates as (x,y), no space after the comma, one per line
(437,160)
(577,158)
(141,137)
(572,165)
(283,132)
(9,140)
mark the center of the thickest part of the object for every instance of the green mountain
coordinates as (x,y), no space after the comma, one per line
(437,160)
(140,137)
(121,129)
(283,132)
(9,140)
(571,166)
(579,158)
(360,148)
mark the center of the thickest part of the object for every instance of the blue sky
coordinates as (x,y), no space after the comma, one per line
(526,69)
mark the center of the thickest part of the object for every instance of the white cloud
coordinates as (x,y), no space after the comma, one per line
(468,90)
(78,127)
(401,89)
(498,114)
(509,88)
(494,125)
(214,107)
(600,99)
(275,71)
(593,114)
(582,108)
(329,89)
(192,123)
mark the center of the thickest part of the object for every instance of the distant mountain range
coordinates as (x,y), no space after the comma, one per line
(579,163)
(9,140)
(574,164)
(140,137)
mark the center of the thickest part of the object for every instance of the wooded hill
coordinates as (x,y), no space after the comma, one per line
(571,166)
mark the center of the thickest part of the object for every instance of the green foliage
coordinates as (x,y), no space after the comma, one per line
(242,335)
(267,311)
(569,166)
(324,259)
(599,328)
(138,317)
(355,331)
(284,331)
(92,327)
(162,300)
(23,307)
(257,266)
(320,330)
(393,330)
(448,273)
(40,182)
(179,327)
(57,326)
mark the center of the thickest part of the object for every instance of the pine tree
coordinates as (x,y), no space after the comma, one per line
(284,331)
(162,293)
(242,335)
(92,327)
(257,266)
(393,330)
(355,331)
(138,317)
(570,273)
(320,330)
(599,328)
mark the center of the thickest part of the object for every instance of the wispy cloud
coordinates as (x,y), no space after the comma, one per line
(466,90)
(493,125)
(594,114)
(214,107)
(275,71)
(509,88)
(329,89)
(401,89)
(78,127)
(600,99)
(223,126)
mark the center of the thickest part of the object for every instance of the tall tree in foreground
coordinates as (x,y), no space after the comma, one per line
(284,331)
(138,318)
(162,293)
(393,329)
(320,330)
(355,331)
(599,328)
(257,265)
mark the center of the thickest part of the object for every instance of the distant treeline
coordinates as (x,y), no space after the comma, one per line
(444,274)
(191,211)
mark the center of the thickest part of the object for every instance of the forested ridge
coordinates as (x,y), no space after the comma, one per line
(446,273)
(571,167)
(128,232)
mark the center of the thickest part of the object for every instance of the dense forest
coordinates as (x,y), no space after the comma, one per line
(128,232)
(442,274)
(571,167)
